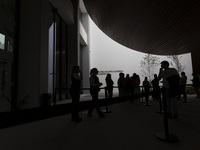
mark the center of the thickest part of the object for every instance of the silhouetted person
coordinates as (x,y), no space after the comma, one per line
(120,83)
(136,84)
(76,77)
(132,86)
(182,83)
(196,84)
(146,85)
(94,91)
(127,85)
(109,85)
(171,80)
(156,88)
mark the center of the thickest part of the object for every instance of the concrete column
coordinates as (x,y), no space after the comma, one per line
(33,51)
(85,53)
(74,40)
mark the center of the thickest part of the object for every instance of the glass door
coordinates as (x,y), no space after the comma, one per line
(57,58)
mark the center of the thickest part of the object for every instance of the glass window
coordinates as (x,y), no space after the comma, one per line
(61,48)
(58,64)
(7,54)
(2,41)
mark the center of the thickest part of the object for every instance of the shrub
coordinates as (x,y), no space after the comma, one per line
(189,90)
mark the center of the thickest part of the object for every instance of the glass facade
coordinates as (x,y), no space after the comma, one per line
(7,53)
(2,41)
(59,57)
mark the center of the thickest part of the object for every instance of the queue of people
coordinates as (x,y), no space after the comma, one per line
(127,86)
(130,86)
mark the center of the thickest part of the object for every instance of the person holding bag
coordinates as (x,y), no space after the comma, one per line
(94,91)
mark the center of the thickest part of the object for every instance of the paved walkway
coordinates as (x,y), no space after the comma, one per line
(134,126)
(129,126)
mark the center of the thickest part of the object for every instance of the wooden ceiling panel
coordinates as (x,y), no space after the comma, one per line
(162,27)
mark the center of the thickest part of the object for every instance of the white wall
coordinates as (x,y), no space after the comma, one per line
(107,55)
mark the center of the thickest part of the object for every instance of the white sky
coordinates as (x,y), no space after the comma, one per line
(107,54)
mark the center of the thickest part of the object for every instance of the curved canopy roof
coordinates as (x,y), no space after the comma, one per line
(163,27)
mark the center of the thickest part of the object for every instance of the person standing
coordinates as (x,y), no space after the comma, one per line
(156,88)
(182,83)
(76,77)
(171,80)
(120,83)
(127,85)
(94,91)
(136,84)
(196,84)
(109,85)
(146,85)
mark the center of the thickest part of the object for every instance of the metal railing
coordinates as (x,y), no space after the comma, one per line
(33,114)
(85,95)
(103,94)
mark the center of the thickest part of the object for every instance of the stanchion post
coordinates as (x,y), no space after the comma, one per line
(106,98)
(166,136)
(160,102)
(142,94)
(146,95)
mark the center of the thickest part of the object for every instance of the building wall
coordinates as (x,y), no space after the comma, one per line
(85,52)
(33,50)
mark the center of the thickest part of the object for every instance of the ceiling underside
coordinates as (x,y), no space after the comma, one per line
(163,27)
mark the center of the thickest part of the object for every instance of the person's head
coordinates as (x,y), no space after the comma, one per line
(137,77)
(121,75)
(182,73)
(134,75)
(164,64)
(145,78)
(155,76)
(127,76)
(94,71)
(193,74)
(76,69)
(108,75)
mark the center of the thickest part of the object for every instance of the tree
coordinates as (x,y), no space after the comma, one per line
(149,65)
(176,63)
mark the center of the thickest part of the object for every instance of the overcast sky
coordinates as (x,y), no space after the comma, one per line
(107,55)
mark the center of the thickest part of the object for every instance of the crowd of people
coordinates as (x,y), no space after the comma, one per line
(173,84)
(128,86)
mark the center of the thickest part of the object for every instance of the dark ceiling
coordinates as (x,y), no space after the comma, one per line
(163,27)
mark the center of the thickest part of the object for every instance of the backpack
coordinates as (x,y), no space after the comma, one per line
(174,86)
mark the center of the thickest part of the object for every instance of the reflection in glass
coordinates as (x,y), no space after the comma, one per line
(7,34)
(2,41)
(10,45)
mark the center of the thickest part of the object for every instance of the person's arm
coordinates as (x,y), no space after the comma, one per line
(81,75)
(160,74)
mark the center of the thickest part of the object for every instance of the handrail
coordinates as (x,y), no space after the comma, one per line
(101,88)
